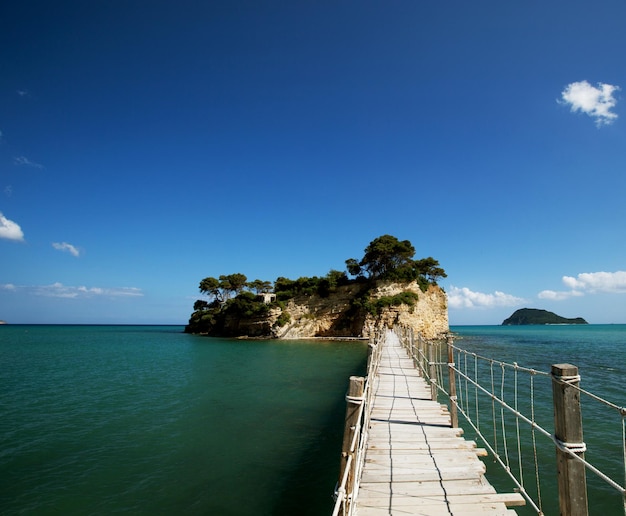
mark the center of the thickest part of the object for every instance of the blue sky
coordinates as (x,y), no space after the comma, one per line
(145,145)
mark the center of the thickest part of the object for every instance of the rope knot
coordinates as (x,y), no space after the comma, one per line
(572,447)
(569,379)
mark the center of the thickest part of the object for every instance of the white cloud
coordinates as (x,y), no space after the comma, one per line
(595,102)
(64,246)
(588,282)
(63,291)
(60,290)
(55,290)
(554,295)
(614,282)
(466,298)
(25,162)
(10,230)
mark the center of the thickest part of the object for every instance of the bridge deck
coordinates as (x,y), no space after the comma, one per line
(415,462)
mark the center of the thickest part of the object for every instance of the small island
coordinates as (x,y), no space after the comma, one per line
(386,287)
(526,316)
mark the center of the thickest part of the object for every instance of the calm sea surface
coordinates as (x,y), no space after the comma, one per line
(599,351)
(148,420)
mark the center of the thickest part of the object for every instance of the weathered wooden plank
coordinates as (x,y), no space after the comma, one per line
(443,448)
(399,459)
(439,510)
(442,470)
(432,475)
(430,447)
(416,463)
(508,499)
(417,430)
(410,407)
(476,485)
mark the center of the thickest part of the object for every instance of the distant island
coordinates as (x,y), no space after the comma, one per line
(526,316)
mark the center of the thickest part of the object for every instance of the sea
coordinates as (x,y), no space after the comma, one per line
(149,420)
(599,352)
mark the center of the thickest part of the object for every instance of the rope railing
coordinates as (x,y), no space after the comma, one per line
(356,432)
(498,401)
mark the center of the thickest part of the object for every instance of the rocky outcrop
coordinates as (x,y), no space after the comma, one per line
(356,310)
(526,316)
(429,315)
(336,315)
(316,316)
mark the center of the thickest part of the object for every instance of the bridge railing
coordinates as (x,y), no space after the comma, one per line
(499,402)
(357,422)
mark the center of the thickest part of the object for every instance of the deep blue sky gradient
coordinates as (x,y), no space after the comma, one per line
(169,141)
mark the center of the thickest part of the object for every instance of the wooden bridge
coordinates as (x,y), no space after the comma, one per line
(413,461)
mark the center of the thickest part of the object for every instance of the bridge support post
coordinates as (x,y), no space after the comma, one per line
(354,400)
(417,356)
(432,370)
(568,431)
(454,415)
(371,356)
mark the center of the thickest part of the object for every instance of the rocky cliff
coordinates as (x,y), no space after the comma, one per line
(429,315)
(337,315)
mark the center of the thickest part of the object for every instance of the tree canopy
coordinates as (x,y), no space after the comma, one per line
(386,257)
(385,254)
(222,288)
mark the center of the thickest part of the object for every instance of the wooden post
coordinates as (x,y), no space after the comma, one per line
(454,416)
(354,400)
(371,356)
(432,371)
(568,430)
(420,352)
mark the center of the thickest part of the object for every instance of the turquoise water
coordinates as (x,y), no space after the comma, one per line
(148,420)
(599,351)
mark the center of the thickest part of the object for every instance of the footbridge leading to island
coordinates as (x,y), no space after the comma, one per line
(404,452)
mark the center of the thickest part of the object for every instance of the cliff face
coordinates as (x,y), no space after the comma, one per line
(336,315)
(429,316)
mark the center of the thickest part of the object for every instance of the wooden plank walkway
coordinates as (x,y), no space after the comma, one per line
(415,462)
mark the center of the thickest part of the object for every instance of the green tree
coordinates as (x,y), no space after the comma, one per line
(259,286)
(211,287)
(331,282)
(385,254)
(232,284)
(284,288)
(283,284)
(200,305)
(246,304)
(386,257)
(353,267)
(222,288)
(429,267)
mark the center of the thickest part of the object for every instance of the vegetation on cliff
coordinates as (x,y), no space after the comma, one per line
(526,316)
(232,299)
(386,258)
